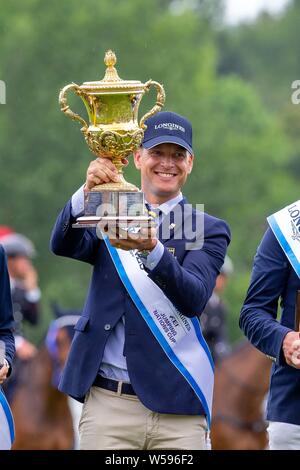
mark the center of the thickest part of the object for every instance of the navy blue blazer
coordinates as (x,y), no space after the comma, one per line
(273,279)
(186,277)
(6,311)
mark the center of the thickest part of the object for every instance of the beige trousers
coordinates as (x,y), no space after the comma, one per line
(112,421)
(283,436)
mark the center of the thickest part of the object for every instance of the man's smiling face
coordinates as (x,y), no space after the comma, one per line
(164,170)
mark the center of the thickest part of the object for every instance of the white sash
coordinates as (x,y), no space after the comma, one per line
(285,225)
(179,336)
(7,431)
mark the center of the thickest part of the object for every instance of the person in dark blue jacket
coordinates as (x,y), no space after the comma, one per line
(275,282)
(138,391)
(7,343)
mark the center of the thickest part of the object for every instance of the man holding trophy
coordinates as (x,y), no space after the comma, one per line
(138,359)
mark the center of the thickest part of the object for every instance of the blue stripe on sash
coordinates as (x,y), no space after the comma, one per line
(155,330)
(196,323)
(284,244)
(8,415)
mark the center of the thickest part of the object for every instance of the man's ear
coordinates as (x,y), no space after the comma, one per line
(191,162)
(137,155)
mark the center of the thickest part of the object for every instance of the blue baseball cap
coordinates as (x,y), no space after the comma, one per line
(167,127)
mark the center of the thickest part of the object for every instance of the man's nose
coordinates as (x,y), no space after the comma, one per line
(167,159)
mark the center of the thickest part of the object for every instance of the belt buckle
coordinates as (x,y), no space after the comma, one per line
(119,389)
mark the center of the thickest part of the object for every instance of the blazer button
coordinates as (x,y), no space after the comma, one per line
(107,327)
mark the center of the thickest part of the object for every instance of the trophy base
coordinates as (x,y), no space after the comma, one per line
(120,186)
(93,221)
(113,207)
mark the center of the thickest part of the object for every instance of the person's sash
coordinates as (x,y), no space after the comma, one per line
(180,337)
(7,430)
(285,225)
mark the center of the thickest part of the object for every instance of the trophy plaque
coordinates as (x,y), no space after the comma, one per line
(112,131)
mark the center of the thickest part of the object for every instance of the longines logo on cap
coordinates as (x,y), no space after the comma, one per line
(171,126)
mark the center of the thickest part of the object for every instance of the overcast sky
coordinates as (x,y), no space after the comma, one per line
(246,10)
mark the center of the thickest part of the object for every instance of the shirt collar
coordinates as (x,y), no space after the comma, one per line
(167,206)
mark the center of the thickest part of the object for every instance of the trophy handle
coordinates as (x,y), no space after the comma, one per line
(65,108)
(160,101)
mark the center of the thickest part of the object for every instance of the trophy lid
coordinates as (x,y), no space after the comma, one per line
(112,83)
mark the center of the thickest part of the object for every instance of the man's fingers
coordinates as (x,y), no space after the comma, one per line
(3,370)
(3,373)
(102,162)
(147,232)
(108,163)
(103,175)
(102,226)
(112,232)
(296,345)
(106,175)
(132,235)
(101,170)
(123,244)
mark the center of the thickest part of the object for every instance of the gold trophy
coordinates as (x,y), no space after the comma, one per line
(113,132)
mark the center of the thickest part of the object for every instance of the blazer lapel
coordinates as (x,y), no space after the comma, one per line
(171,224)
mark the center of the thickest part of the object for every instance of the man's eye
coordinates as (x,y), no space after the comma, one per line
(179,155)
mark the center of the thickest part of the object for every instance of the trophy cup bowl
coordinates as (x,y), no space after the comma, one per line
(113,132)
